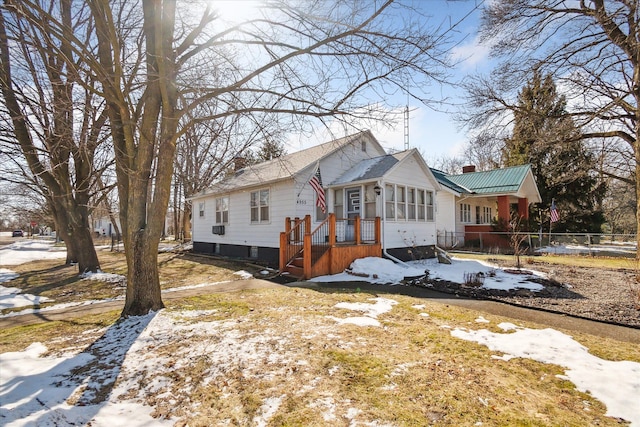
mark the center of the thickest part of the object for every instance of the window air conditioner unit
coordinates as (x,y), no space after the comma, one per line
(218,229)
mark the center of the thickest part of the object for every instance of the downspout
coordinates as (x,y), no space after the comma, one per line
(383,222)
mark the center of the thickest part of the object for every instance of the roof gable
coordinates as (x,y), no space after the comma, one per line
(370,169)
(379,167)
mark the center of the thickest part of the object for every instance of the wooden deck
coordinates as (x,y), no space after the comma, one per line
(305,254)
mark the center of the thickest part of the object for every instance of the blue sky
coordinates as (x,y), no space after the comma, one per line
(433,130)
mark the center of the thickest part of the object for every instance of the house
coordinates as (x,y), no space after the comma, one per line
(376,203)
(472,201)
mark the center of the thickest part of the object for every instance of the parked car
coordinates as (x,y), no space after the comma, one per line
(18,233)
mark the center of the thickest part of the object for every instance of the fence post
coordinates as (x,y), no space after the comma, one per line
(283,250)
(306,255)
(332,229)
(356,229)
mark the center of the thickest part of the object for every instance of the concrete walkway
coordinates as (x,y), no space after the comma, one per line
(553,320)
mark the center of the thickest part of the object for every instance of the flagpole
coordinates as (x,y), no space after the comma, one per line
(550,220)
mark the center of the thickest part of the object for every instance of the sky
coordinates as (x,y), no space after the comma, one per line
(35,388)
(432,130)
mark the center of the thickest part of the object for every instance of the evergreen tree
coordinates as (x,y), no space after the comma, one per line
(545,137)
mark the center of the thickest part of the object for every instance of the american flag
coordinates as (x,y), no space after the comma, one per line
(316,183)
(555,216)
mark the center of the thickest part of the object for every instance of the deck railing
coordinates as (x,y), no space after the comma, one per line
(292,239)
(298,238)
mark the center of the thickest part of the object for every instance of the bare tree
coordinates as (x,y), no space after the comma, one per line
(304,60)
(56,122)
(591,48)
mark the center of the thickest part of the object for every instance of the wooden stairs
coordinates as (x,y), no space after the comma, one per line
(305,254)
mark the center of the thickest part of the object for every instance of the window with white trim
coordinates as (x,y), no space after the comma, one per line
(429,205)
(222,210)
(338,203)
(369,201)
(465,213)
(201,209)
(260,206)
(390,201)
(411,204)
(488,217)
(401,207)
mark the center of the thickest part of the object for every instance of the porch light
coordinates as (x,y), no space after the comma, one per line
(377,189)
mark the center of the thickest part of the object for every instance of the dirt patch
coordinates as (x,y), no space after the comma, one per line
(608,295)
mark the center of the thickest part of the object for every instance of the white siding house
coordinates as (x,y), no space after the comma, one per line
(243,215)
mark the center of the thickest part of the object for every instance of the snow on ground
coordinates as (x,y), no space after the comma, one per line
(40,390)
(104,277)
(24,251)
(613,248)
(616,384)
(37,390)
(378,270)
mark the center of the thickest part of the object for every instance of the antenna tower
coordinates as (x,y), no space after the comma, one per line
(406,127)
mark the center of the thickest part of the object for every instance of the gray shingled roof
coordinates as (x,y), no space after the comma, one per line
(370,169)
(281,168)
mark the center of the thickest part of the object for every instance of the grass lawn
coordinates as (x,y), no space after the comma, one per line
(233,351)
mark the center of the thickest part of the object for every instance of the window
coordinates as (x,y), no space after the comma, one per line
(338,204)
(411,203)
(487,215)
(401,207)
(320,216)
(364,146)
(429,201)
(465,213)
(201,209)
(479,217)
(260,206)
(369,201)
(222,210)
(390,201)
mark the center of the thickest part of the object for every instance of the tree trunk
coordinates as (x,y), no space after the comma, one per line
(143,280)
(636,147)
(186,220)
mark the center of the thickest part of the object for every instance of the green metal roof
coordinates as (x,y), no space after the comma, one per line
(505,180)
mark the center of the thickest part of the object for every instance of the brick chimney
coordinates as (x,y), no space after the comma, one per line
(239,162)
(468,168)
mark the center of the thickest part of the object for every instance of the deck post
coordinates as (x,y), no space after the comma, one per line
(283,249)
(356,230)
(377,230)
(307,224)
(306,256)
(287,225)
(332,229)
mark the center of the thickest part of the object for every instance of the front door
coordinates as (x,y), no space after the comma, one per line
(353,210)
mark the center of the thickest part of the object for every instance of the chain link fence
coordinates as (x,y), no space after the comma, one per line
(595,244)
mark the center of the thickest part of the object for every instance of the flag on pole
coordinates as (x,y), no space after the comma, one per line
(316,183)
(555,216)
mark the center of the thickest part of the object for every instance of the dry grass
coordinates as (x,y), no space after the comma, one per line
(574,260)
(409,372)
(61,283)
(285,344)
